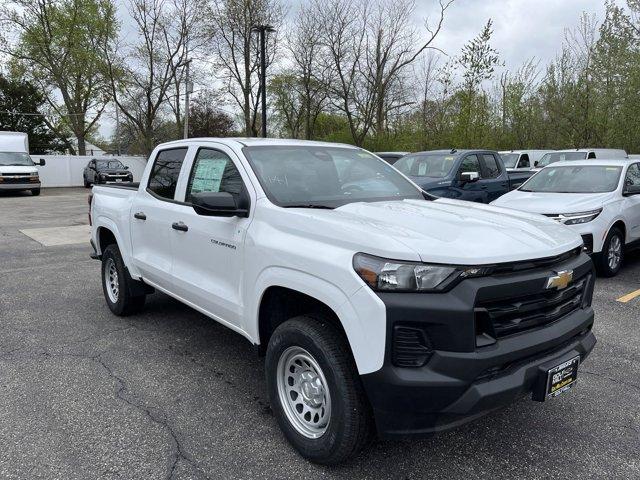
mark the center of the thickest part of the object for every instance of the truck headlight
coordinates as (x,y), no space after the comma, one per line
(578,218)
(396,276)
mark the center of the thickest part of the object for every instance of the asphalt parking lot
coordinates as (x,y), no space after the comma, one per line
(171,394)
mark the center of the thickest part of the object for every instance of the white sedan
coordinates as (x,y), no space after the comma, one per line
(599,199)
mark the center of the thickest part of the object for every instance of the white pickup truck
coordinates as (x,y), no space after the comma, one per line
(380,309)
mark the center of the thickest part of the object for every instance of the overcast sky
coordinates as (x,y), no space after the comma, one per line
(522,28)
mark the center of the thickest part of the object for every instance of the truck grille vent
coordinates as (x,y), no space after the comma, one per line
(516,315)
(411,347)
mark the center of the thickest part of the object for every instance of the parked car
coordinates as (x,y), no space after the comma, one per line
(474,175)
(521,160)
(599,199)
(106,170)
(391,157)
(17,169)
(389,312)
(579,154)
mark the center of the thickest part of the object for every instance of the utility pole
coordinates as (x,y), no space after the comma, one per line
(262,31)
(188,91)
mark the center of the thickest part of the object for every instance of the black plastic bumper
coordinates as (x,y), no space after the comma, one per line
(462,381)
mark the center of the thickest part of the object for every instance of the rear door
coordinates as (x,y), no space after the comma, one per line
(209,256)
(494,180)
(151,217)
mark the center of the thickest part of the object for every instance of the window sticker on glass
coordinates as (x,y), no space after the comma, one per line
(208,175)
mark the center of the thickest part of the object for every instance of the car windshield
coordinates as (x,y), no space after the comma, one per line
(109,164)
(15,159)
(510,159)
(326,177)
(578,179)
(549,158)
(436,165)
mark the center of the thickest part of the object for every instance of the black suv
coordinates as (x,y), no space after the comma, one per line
(104,171)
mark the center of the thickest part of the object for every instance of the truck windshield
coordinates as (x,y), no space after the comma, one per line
(510,159)
(549,158)
(17,159)
(426,165)
(105,164)
(578,179)
(326,177)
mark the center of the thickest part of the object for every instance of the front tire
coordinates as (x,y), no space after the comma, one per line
(612,255)
(315,390)
(118,285)
(35,192)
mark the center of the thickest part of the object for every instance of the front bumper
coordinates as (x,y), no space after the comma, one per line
(19,186)
(462,381)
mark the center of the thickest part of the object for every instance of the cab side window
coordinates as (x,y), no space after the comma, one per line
(165,172)
(470,163)
(591,155)
(214,171)
(524,161)
(491,168)
(633,175)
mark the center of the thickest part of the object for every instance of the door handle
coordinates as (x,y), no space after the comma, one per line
(179,226)
(140,216)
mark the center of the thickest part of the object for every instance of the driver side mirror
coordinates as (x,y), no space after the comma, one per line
(631,190)
(126,167)
(41,162)
(535,164)
(219,204)
(469,177)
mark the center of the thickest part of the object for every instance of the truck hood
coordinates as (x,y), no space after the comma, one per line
(441,231)
(17,169)
(553,203)
(430,183)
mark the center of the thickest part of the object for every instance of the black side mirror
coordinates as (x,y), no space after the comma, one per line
(631,190)
(535,164)
(126,167)
(41,162)
(469,177)
(219,204)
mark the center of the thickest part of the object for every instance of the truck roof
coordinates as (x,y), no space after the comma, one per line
(253,141)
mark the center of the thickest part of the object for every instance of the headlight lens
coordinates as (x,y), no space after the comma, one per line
(393,276)
(578,218)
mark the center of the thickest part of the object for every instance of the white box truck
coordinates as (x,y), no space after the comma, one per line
(17,169)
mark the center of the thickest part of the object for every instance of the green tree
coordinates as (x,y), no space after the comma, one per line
(57,49)
(20,104)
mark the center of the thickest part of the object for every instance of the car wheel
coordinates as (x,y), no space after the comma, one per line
(612,255)
(35,192)
(315,390)
(118,285)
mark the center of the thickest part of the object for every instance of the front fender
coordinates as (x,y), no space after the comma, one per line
(366,330)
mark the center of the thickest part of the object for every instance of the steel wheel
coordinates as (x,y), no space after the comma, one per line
(111,280)
(303,392)
(614,255)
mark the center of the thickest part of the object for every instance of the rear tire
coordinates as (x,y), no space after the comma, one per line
(35,192)
(117,284)
(610,259)
(310,370)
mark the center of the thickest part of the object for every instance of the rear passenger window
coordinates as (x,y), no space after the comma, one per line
(524,161)
(165,172)
(214,171)
(491,166)
(592,155)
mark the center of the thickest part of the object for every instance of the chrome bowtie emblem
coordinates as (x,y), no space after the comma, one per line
(560,280)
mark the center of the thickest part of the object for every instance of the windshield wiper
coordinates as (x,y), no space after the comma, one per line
(309,205)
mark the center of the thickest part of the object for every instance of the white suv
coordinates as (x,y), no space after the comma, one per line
(599,199)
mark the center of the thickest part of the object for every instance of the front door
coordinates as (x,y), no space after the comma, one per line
(471,191)
(631,204)
(151,214)
(207,271)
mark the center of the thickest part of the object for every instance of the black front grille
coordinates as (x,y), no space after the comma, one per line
(16,178)
(411,347)
(514,315)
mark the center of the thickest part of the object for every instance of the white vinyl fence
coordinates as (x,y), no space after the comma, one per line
(66,170)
